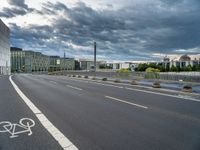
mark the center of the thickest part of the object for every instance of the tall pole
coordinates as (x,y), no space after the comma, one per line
(95,58)
(64,61)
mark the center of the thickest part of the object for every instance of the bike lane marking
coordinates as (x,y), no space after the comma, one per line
(63,141)
(6,126)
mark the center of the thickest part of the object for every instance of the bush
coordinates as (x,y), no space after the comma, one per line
(73,75)
(123,70)
(152,75)
(152,70)
(86,77)
(79,76)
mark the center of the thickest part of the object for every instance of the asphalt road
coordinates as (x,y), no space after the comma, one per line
(95,116)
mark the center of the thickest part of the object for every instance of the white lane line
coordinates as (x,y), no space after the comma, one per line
(116,99)
(53,82)
(162,94)
(76,88)
(63,141)
(144,91)
(96,82)
(149,92)
(107,85)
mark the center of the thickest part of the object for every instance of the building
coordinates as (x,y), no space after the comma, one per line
(181,61)
(57,63)
(4,49)
(117,65)
(67,63)
(87,64)
(28,61)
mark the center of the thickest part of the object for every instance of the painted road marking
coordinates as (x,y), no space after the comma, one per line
(25,125)
(53,82)
(76,88)
(64,142)
(95,82)
(116,99)
(107,85)
(162,94)
(144,91)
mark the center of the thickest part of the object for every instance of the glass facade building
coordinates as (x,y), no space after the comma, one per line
(4,49)
(57,63)
(28,61)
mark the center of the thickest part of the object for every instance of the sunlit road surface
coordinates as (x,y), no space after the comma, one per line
(94,116)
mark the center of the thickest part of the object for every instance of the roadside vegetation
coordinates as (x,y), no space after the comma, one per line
(123,70)
(162,68)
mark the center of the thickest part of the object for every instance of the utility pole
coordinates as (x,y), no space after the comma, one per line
(95,58)
(64,61)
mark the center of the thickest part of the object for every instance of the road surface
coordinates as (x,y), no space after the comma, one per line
(95,116)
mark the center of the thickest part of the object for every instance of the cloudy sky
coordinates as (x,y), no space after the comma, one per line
(123,29)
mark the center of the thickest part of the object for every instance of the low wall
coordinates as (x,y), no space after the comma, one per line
(188,77)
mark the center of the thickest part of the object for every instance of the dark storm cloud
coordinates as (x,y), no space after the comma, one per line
(12,12)
(18,7)
(132,32)
(18,3)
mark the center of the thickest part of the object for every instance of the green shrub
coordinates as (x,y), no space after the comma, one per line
(123,70)
(152,70)
(152,73)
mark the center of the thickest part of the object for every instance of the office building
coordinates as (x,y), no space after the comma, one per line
(28,61)
(181,61)
(57,63)
(87,64)
(4,49)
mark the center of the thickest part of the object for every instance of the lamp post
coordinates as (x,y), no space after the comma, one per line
(95,53)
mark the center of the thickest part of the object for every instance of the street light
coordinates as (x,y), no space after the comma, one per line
(95,53)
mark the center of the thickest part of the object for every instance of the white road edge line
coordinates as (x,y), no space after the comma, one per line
(63,141)
(116,99)
(74,87)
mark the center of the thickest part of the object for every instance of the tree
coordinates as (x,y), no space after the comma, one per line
(173,69)
(102,66)
(195,67)
(142,67)
(189,68)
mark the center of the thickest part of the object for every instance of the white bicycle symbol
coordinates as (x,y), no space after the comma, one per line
(14,129)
